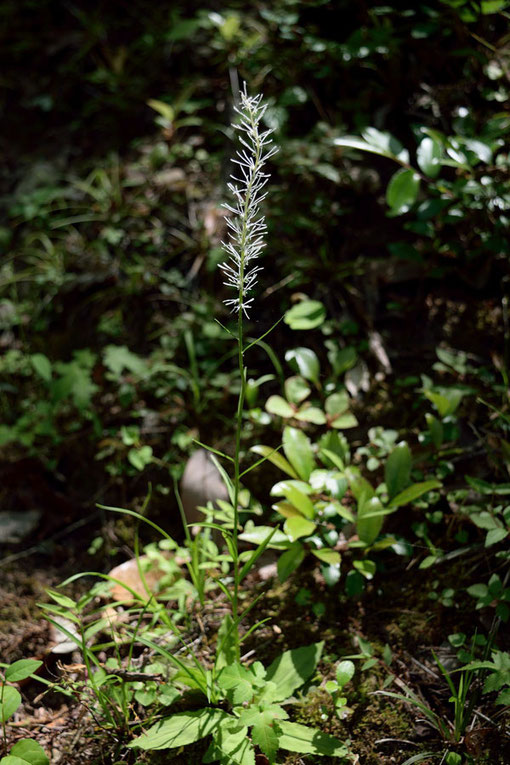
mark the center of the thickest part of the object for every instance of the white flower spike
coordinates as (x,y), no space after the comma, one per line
(246,227)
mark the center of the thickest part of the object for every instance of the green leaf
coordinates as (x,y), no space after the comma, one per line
(293,668)
(328,556)
(344,672)
(413,492)
(298,450)
(238,682)
(366,568)
(118,358)
(256,535)
(225,643)
(21,669)
(330,481)
(368,528)
(275,458)
(376,143)
(296,493)
(11,701)
(42,365)
(305,362)
(290,560)
(231,744)
(264,734)
(337,407)
(298,527)
(402,190)
(296,389)
(494,536)
(28,751)
(311,414)
(359,486)
(397,471)
(308,314)
(299,738)
(180,729)
(141,457)
(428,156)
(447,401)
(277,405)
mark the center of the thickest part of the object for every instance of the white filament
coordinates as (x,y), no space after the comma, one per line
(246,226)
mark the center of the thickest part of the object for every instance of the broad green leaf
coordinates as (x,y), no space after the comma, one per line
(164,109)
(28,751)
(428,156)
(275,458)
(293,668)
(61,599)
(296,497)
(337,408)
(494,536)
(330,481)
(231,745)
(370,519)
(264,734)
(308,314)
(141,457)
(359,486)
(290,560)
(413,492)
(305,362)
(238,682)
(366,568)
(277,405)
(342,359)
(42,365)
(180,729)
(11,701)
(12,760)
(296,389)
(311,414)
(21,669)
(344,672)
(435,429)
(375,143)
(286,509)
(397,471)
(257,534)
(447,401)
(328,556)
(118,358)
(298,450)
(295,737)
(402,190)
(298,527)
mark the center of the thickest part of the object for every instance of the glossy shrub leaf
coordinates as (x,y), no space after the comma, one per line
(413,492)
(293,668)
(370,519)
(428,156)
(277,405)
(11,701)
(27,751)
(296,389)
(298,527)
(180,729)
(296,493)
(290,560)
(366,568)
(402,190)
(275,458)
(360,487)
(330,481)
(328,556)
(305,362)
(308,314)
(295,737)
(21,669)
(298,450)
(344,672)
(397,471)
(256,535)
